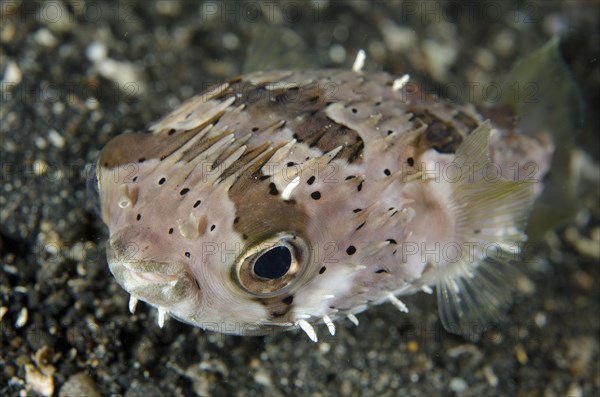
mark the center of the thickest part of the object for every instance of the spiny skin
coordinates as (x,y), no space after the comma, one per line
(337,166)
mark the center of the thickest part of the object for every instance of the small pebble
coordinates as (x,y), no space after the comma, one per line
(521,354)
(96,52)
(337,53)
(80,384)
(45,38)
(396,37)
(56,139)
(3,311)
(12,74)
(22,318)
(490,376)
(262,378)
(458,385)
(540,319)
(230,41)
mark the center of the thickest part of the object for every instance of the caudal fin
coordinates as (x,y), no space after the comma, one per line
(542,94)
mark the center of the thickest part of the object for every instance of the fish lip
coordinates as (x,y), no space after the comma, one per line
(160,281)
(121,259)
(164,287)
(131,278)
(141,271)
(152,270)
(153,278)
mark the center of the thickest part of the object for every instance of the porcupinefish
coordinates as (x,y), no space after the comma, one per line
(284,199)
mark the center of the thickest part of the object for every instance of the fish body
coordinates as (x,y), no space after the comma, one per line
(284,199)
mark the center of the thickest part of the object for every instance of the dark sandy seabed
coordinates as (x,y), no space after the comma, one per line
(75,74)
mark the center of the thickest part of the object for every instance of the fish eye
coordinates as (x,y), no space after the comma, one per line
(272,266)
(274,263)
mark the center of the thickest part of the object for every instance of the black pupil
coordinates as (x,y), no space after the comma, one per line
(274,263)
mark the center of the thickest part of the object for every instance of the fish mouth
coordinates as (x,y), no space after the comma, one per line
(162,284)
(152,278)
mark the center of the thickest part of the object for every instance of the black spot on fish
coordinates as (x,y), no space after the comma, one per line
(315,195)
(288,299)
(351,250)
